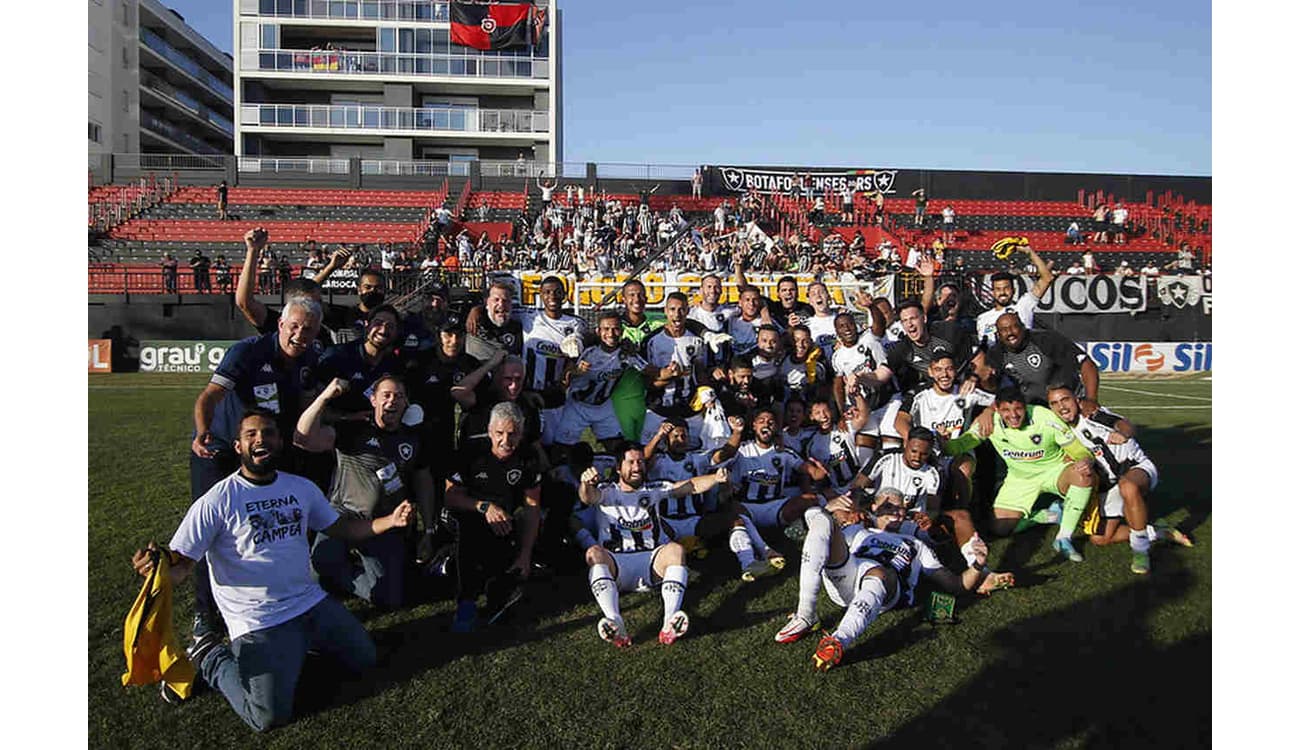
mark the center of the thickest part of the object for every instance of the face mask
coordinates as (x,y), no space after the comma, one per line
(372,299)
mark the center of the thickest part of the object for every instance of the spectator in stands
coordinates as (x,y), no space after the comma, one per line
(846,203)
(521,166)
(1075,269)
(697,183)
(223,193)
(1072,235)
(1099,224)
(223,274)
(1124,269)
(547,191)
(919,218)
(1185,262)
(1150,271)
(879,203)
(818,213)
(387,259)
(266,272)
(949,224)
(169,265)
(1119,221)
(1090,266)
(284,270)
(200,265)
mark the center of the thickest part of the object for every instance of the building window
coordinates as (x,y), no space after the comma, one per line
(95,132)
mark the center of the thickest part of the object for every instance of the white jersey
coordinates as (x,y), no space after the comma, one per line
(665,468)
(686,350)
(628,521)
(888,469)
(947,414)
(765,474)
(543,360)
(595,386)
(1094,432)
(907,555)
(822,329)
(714,321)
(838,452)
(797,379)
(986,325)
(859,359)
(893,335)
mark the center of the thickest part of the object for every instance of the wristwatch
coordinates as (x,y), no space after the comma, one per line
(482,506)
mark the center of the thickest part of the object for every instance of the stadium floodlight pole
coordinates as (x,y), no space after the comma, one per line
(645,262)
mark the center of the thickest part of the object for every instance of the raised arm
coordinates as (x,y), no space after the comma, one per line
(309,434)
(338,259)
(700,484)
(254,243)
(1045,275)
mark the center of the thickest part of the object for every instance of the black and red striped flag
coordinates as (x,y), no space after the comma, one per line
(492,26)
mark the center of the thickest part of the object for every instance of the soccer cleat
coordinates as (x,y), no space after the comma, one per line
(1172,534)
(829,653)
(757,570)
(1053,514)
(1065,549)
(676,628)
(795,629)
(465,618)
(776,559)
(515,594)
(205,624)
(1141,563)
(614,632)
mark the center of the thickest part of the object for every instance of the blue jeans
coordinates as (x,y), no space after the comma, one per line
(204,473)
(378,579)
(258,671)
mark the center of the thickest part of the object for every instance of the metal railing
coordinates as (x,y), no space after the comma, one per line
(170,162)
(186,63)
(416,119)
(349,62)
(114,278)
(292,166)
(646,171)
(185,101)
(365,10)
(418,168)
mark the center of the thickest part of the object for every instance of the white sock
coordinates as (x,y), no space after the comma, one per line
(605,589)
(755,539)
(1139,541)
(738,540)
(862,611)
(816,548)
(673,590)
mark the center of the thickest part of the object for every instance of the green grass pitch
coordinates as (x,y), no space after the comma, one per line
(1079,655)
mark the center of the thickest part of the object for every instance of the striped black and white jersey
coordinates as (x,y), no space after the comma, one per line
(628,521)
(765,474)
(543,360)
(1113,460)
(595,386)
(715,321)
(665,468)
(907,555)
(839,453)
(862,358)
(661,349)
(947,414)
(888,469)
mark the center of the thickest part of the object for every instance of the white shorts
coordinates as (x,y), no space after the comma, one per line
(843,582)
(881,421)
(681,526)
(694,424)
(768,514)
(635,570)
(1113,504)
(578,416)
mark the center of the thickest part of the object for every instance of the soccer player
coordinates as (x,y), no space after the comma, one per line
(863,356)
(591,380)
(1004,299)
(1042,457)
(867,572)
(795,429)
(679,355)
(253,526)
(1126,475)
(633,551)
(636,326)
(701,516)
(766,360)
(909,359)
(711,317)
(946,411)
(821,323)
(545,334)
(743,329)
(497,493)
(378,464)
(773,483)
(804,370)
(1033,359)
(788,310)
(834,444)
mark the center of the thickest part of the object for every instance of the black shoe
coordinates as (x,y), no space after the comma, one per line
(511,598)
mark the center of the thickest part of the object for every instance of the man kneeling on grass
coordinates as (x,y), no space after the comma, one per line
(253,526)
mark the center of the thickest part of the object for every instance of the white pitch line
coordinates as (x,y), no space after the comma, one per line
(1158,395)
(142,387)
(1122,408)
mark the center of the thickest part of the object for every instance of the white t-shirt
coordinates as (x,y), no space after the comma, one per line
(255,537)
(986,325)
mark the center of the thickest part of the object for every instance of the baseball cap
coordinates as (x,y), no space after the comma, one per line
(439,290)
(451,324)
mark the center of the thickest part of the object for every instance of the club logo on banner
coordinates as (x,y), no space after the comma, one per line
(1181,291)
(742,180)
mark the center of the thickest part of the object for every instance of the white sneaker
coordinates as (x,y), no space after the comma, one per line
(676,628)
(795,629)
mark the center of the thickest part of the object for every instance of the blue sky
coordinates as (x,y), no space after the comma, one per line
(1021,86)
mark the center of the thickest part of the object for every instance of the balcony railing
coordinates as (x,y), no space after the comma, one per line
(347,62)
(186,63)
(422,119)
(173,133)
(186,101)
(304,165)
